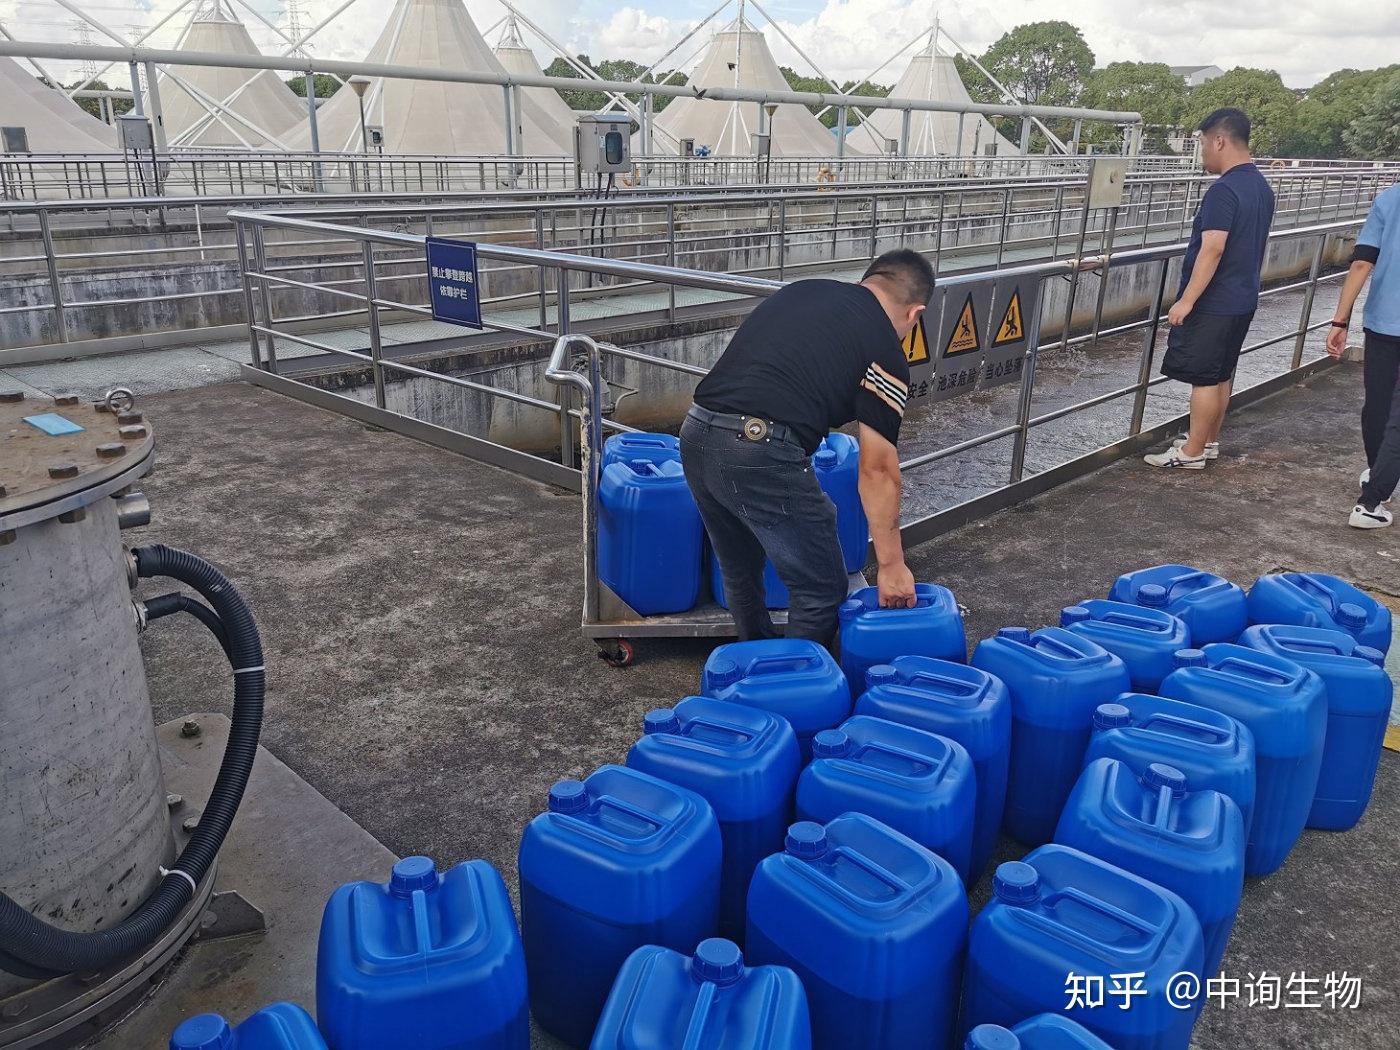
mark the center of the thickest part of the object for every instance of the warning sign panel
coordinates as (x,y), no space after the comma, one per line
(1012,329)
(964,338)
(1016,302)
(916,344)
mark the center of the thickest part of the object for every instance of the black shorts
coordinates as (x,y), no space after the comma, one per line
(1205,350)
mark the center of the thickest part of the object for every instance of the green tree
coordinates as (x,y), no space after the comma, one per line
(798,82)
(93,105)
(326,85)
(1329,108)
(608,69)
(1261,93)
(1149,88)
(1375,133)
(1043,63)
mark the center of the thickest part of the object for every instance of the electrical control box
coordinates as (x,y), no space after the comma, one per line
(135,132)
(14,139)
(604,143)
(375,133)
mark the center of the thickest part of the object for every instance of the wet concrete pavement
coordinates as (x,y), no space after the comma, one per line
(426,673)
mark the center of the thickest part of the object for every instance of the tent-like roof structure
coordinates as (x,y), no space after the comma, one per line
(258,107)
(54,122)
(739,56)
(515,57)
(931,77)
(429,116)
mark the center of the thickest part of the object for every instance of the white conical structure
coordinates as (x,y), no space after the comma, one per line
(931,77)
(55,124)
(433,116)
(738,56)
(258,107)
(515,57)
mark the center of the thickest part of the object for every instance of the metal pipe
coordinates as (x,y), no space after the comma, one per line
(1306,316)
(376,351)
(55,288)
(298,63)
(1149,346)
(309,81)
(1026,396)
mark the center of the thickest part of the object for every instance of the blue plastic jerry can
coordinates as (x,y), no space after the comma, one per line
(1213,608)
(281,1026)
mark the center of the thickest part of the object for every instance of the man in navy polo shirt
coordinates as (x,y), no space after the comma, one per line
(1219,286)
(1377,256)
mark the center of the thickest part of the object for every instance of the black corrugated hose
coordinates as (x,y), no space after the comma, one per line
(30,947)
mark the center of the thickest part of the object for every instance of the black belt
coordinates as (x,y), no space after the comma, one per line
(753,428)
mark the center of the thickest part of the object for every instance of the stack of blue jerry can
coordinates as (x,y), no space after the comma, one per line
(961,703)
(1306,599)
(281,1026)
(708,1000)
(619,861)
(1146,640)
(1062,915)
(1212,749)
(431,960)
(1359,694)
(1285,707)
(1056,678)
(871,635)
(916,782)
(874,925)
(741,760)
(791,677)
(1158,826)
(1212,607)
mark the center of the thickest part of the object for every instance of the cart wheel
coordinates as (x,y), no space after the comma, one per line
(618,652)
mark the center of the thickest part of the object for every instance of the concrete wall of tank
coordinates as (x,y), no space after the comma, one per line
(662,395)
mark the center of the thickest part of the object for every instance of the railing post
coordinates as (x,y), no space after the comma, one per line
(671,259)
(55,288)
(1106,255)
(874,225)
(1149,347)
(1005,219)
(568,440)
(782,237)
(1074,274)
(376,348)
(1026,395)
(254,353)
(260,261)
(542,274)
(1306,317)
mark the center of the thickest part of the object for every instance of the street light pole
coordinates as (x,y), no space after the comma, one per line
(359,83)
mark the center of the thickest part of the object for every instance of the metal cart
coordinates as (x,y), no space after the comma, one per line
(607,619)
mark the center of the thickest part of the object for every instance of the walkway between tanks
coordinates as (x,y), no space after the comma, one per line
(426,672)
(202,362)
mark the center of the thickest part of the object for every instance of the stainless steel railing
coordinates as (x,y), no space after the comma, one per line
(572,270)
(75,267)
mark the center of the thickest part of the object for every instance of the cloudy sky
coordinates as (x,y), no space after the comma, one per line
(849,38)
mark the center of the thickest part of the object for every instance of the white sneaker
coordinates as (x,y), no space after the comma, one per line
(1174,457)
(1366,477)
(1361,518)
(1212,447)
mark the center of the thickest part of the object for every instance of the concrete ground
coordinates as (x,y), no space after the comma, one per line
(426,673)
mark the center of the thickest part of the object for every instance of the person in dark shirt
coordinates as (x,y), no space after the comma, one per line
(1219,286)
(813,357)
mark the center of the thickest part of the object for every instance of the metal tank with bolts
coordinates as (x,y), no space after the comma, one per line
(84,828)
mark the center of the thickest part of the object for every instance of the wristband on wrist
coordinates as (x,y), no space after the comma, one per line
(1340,324)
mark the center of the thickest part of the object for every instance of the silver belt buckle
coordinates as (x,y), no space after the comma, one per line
(755,429)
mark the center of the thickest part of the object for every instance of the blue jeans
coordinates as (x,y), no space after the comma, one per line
(762,499)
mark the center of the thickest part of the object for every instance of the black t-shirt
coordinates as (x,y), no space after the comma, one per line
(815,356)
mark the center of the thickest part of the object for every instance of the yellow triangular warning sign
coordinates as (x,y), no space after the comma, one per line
(963,337)
(916,344)
(1011,329)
